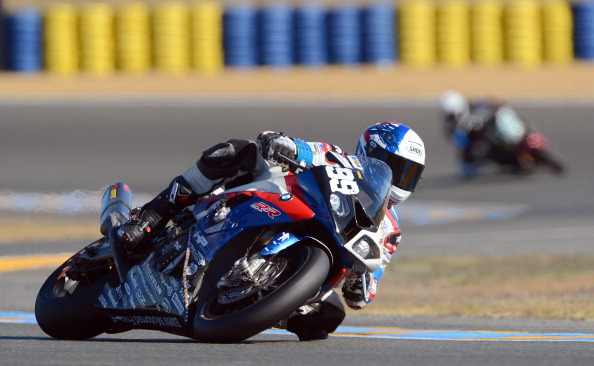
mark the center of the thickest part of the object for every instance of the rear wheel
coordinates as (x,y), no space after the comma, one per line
(231,315)
(64,307)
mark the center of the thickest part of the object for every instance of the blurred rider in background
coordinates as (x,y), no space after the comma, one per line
(486,130)
(238,162)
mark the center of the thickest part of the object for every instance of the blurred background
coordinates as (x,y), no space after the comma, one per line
(100,38)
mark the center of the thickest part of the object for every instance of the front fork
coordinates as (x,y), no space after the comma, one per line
(244,268)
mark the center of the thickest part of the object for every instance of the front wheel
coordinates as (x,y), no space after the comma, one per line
(302,269)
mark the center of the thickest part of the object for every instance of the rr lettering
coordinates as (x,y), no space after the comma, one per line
(263,207)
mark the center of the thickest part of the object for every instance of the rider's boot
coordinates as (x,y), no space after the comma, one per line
(358,291)
(316,321)
(155,214)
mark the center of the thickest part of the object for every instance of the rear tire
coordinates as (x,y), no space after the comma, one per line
(64,309)
(549,160)
(307,269)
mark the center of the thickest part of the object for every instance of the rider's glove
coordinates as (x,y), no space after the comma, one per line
(132,233)
(273,143)
(355,296)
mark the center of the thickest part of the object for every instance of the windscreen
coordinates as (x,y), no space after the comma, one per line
(374,187)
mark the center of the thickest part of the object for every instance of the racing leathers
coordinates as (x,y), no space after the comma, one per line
(237,162)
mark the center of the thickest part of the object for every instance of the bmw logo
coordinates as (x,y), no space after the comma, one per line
(286,197)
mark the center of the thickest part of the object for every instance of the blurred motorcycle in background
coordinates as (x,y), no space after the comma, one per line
(488,132)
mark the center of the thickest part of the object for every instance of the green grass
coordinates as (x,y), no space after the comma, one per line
(539,286)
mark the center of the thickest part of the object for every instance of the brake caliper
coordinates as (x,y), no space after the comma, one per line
(242,272)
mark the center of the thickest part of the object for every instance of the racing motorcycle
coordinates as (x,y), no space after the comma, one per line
(506,142)
(229,267)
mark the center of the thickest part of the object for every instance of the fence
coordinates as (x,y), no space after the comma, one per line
(177,37)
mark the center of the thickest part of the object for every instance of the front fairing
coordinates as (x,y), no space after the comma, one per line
(361,188)
(362,185)
(246,209)
(222,217)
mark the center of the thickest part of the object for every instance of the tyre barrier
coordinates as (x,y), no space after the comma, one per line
(453,36)
(310,35)
(557,28)
(180,36)
(344,35)
(97,56)
(522,32)
(486,33)
(275,35)
(206,35)
(24,32)
(583,22)
(417,33)
(379,33)
(240,37)
(133,38)
(171,37)
(60,39)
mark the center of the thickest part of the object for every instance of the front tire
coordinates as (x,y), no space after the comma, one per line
(306,270)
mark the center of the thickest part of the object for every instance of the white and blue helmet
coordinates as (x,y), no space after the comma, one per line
(402,149)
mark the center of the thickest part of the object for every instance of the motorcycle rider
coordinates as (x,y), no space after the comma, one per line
(237,162)
(483,129)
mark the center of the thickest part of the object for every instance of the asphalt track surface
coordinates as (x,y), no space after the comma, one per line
(57,146)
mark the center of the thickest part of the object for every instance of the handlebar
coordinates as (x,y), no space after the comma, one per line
(293,165)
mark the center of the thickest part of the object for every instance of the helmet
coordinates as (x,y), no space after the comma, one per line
(402,149)
(452,102)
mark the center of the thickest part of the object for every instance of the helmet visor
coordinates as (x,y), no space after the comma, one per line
(406,173)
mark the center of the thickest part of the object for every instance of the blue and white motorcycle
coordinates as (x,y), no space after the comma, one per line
(232,265)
